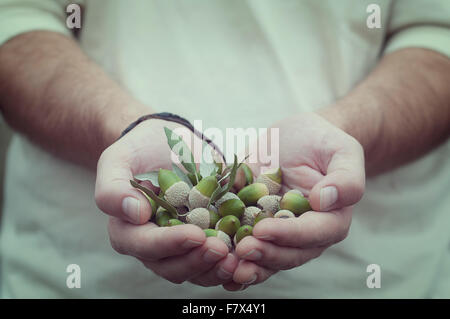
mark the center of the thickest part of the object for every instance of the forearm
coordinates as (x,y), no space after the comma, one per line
(53,94)
(400,111)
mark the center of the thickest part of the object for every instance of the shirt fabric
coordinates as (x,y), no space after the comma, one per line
(230,64)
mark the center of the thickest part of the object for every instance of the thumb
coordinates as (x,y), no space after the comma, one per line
(113,193)
(344,183)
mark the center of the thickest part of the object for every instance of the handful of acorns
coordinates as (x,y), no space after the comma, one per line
(225,203)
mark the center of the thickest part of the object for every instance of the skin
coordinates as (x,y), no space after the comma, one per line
(53,94)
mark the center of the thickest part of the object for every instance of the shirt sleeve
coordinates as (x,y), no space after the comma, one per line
(419,23)
(19,16)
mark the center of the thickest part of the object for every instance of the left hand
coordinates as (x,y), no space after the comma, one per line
(327,165)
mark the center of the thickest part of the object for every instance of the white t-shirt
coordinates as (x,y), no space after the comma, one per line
(230,64)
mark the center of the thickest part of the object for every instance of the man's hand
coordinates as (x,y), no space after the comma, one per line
(176,253)
(327,165)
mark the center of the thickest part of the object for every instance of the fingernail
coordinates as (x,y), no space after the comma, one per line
(130,207)
(251,280)
(328,196)
(223,274)
(242,288)
(191,243)
(211,256)
(252,255)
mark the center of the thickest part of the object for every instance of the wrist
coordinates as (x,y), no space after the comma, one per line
(359,116)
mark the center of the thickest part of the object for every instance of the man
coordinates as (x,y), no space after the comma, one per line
(338,90)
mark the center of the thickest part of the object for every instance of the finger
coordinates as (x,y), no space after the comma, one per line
(248,273)
(113,192)
(233,286)
(181,268)
(220,274)
(151,242)
(344,182)
(311,229)
(271,256)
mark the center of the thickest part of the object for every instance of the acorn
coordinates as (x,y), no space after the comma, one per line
(225,197)
(174,222)
(295,202)
(261,215)
(284,213)
(162,217)
(174,189)
(272,179)
(193,179)
(200,194)
(269,203)
(234,207)
(202,217)
(242,232)
(244,176)
(228,224)
(250,214)
(252,193)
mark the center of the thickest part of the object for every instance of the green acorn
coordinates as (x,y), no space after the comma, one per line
(244,176)
(202,217)
(284,213)
(250,214)
(295,202)
(270,203)
(229,225)
(210,232)
(261,215)
(174,189)
(162,217)
(242,232)
(234,207)
(193,179)
(224,198)
(174,222)
(272,179)
(200,194)
(252,193)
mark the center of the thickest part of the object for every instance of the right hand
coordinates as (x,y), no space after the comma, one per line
(176,253)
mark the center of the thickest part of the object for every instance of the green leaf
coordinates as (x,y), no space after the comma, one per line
(181,175)
(152,177)
(161,202)
(220,191)
(179,147)
(208,169)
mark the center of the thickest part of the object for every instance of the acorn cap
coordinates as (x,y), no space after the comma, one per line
(274,174)
(174,222)
(270,203)
(225,238)
(226,197)
(234,207)
(295,202)
(261,215)
(252,193)
(200,217)
(197,199)
(162,217)
(200,194)
(284,213)
(166,178)
(242,232)
(228,224)
(250,214)
(177,194)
